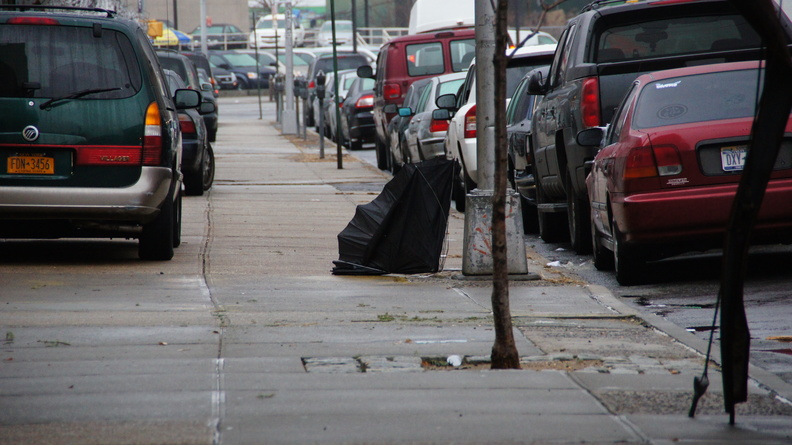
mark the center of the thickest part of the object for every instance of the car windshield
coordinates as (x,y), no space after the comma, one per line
(347,62)
(240,59)
(267,24)
(698,98)
(56,61)
(450,87)
(677,36)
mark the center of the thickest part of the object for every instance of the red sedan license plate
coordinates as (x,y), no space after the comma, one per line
(31,165)
(733,158)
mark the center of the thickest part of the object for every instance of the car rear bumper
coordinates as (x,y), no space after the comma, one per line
(135,204)
(695,214)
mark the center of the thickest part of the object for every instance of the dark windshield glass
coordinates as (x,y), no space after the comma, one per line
(699,98)
(347,62)
(56,61)
(676,36)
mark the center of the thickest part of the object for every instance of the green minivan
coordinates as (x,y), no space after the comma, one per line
(90,144)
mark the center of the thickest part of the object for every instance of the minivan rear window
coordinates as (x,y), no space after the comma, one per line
(675,36)
(462,53)
(425,59)
(57,61)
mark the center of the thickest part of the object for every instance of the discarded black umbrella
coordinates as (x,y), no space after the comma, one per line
(402,230)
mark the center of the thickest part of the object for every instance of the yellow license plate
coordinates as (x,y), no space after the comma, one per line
(31,165)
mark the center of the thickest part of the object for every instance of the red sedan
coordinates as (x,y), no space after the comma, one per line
(670,163)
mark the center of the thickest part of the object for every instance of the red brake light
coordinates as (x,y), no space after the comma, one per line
(152,137)
(391,91)
(647,162)
(32,21)
(366,101)
(438,125)
(589,102)
(186,124)
(470,123)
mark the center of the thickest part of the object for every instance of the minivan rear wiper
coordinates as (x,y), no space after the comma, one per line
(77,95)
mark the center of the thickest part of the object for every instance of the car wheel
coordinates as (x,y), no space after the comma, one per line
(530,216)
(177,219)
(552,225)
(208,167)
(629,262)
(212,136)
(193,180)
(603,258)
(243,84)
(578,220)
(458,191)
(157,239)
(383,154)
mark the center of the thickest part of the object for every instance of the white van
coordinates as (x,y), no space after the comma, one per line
(265,35)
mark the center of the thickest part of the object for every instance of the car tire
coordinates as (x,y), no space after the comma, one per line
(383,154)
(603,257)
(530,216)
(157,239)
(193,180)
(553,226)
(578,220)
(458,190)
(629,262)
(177,219)
(208,167)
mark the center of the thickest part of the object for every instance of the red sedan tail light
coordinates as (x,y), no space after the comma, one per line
(187,125)
(470,123)
(647,162)
(391,91)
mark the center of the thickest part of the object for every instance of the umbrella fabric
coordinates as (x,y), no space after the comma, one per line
(172,37)
(402,230)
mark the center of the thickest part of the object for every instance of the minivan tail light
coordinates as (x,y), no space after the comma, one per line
(470,123)
(152,136)
(438,125)
(32,21)
(391,91)
(366,101)
(589,103)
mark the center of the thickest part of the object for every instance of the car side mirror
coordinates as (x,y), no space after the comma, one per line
(365,72)
(446,102)
(185,98)
(206,86)
(591,137)
(207,108)
(405,112)
(536,85)
(441,114)
(390,109)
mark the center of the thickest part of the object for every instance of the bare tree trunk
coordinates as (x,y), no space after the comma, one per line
(504,351)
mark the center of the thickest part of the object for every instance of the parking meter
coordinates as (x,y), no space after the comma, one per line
(320,85)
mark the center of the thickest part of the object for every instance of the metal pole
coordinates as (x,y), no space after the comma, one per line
(175,15)
(204,45)
(289,124)
(354,26)
(258,71)
(339,149)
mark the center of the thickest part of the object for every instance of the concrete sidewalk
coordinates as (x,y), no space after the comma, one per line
(308,357)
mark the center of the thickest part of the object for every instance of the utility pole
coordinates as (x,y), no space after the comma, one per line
(289,123)
(477,256)
(204,46)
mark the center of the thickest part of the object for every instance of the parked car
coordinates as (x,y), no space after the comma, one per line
(357,121)
(185,68)
(665,178)
(201,62)
(402,61)
(226,80)
(220,36)
(324,62)
(90,144)
(267,35)
(460,139)
(425,135)
(266,58)
(600,53)
(536,38)
(343,33)
(345,79)
(197,154)
(249,74)
(397,127)
(519,114)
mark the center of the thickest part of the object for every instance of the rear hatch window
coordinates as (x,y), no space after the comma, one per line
(674,37)
(57,61)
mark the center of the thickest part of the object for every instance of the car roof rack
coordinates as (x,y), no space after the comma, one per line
(596,4)
(110,13)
